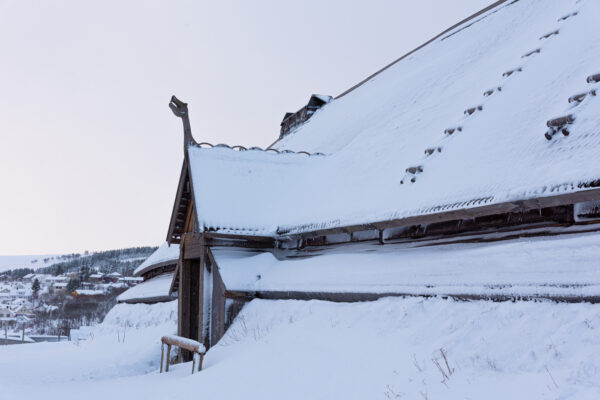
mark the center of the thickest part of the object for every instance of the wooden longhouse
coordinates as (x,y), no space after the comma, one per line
(399,161)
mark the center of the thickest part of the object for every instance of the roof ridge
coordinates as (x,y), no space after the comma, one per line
(478,13)
(240,148)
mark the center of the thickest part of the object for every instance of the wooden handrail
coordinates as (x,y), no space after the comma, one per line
(190,345)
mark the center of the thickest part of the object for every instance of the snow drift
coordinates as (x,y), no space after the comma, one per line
(389,349)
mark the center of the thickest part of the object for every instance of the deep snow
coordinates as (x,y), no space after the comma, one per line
(320,350)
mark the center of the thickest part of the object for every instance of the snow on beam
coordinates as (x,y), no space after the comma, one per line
(559,125)
(472,110)
(549,34)
(480,209)
(593,78)
(568,16)
(512,71)
(532,52)
(489,92)
(578,98)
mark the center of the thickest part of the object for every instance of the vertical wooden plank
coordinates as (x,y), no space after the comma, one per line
(184,295)
(218,307)
(201,287)
(168,357)
(194,299)
(162,356)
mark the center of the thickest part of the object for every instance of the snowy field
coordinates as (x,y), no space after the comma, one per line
(388,349)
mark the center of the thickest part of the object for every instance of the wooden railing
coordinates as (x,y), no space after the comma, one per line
(184,344)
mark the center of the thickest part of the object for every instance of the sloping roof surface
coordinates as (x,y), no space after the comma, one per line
(528,267)
(155,289)
(377,131)
(163,254)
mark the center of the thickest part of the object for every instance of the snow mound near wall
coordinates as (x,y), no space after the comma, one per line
(140,315)
(389,349)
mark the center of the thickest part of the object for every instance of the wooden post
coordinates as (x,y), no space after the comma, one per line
(168,356)
(200,362)
(23,334)
(162,356)
(193,362)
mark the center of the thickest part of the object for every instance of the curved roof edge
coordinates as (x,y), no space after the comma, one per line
(165,255)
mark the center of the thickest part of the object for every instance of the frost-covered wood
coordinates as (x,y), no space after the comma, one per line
(184,343)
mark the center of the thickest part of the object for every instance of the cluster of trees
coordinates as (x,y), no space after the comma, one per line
(72,311)
(17,273)
(123,261)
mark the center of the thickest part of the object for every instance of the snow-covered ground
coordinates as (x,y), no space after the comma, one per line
(125,344)
(388,349)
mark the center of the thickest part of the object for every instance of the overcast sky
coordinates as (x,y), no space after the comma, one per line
(89,152)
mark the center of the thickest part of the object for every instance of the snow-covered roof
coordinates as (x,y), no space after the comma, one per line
(131,279)
(565,266)
(86,292)
(164,254)
(155,289)
(499,78)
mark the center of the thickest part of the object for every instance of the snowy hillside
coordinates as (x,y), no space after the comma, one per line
(29,261)
(389,349)
(119,260)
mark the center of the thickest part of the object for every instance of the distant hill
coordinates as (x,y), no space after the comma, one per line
(123,261)
(28,261)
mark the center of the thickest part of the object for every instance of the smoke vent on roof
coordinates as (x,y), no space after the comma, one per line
(293,120)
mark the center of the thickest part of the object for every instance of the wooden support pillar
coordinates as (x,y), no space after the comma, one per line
(162,356)
(184,299)
(194,299)
(218,302)
(200,296)
(168,357)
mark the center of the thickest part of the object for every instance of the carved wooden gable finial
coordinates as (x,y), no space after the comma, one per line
(180,109)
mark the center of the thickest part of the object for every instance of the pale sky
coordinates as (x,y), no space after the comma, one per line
(90,154)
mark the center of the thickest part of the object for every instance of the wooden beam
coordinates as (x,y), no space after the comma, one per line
(352,297)
(200,299)
(218,302)
(183,177)
(463,213)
